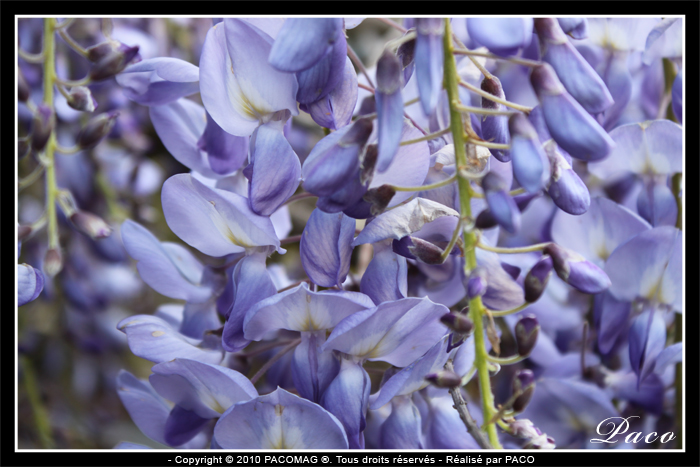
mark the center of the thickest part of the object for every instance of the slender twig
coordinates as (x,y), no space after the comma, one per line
(49,51)
(490,145)
(72,43)
(427,137)
(431,186)
(71,83)
(509,312)
(393,24)
(31,178)
(299,196)
(516,192)
(482,111)
(31,58)
(71,150)
(514,250)
(505,360)
(461,406)
(453,240)
(64,24)
(358,63)
(493,98)
(292,239)
(476,307)
(487,74)
(516,60)
(274,360)
(365,87)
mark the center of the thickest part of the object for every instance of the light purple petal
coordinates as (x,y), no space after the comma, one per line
(385,279)
(208,390)
(300,309)
(154,339)
(325,247)
(168,268)
(395,332)
(276,170)
(147,409)
(403,220)
(216,222)
(642,267)
(502,36)
(335,110)
(322,78)
(302,42)
(279,420)
(251,283)
(30,283)
(160,80)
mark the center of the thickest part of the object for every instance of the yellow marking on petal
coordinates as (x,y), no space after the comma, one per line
(157,333)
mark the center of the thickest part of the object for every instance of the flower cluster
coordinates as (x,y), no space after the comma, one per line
(425,266)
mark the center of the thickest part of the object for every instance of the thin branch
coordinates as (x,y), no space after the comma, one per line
(461,406)
(393,24)
(491,97)
(274,360)
(72,43)
(427,137)
(517,61)
(354,58)
(31,58)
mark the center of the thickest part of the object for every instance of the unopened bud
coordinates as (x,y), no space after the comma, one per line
(458,323)
(23,90)
(576,271)
(53,262)
(90,224)
(389,73)
(96,129)
(23,232)
(523,383)
(445,379)
(42,126)
(526,331)
(80,98)
(113,62)
(406,52)
(379,198)
(537,278)
(426,251)
(476,284)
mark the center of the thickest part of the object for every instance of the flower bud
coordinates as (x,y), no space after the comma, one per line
(526,332)
(537,278)
(576,271)
(476,284)
(42,126)
(426,251)
(379,198)
(529,161)
(458,323)
(23,232)
(501,204)
(523,383)
(53,262)
(444,379)
(389,73)
(80,98)
(90,224)
(566,188)
(495,127)
(113,62)
(23,90)
(96,129)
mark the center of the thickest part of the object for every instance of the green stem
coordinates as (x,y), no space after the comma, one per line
(49,51)
(511,311)
(427,137)
(431,186)
(476,307)
(41,418)
(524,249)
(505,360)
(517,61)
(491,97)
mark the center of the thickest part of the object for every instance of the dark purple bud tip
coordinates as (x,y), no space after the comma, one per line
(519,125)
(389,73)
(23,232)
(23,90)
(99,51)
(379,198)
(549,30)
(80,98)
(425,251)
(42,126)
(537,278)
(458,323)
(445,379)
(96,129)
(476,284)
(53,262)
(91,225)
(358,134)
(113,62)
(576,271)
(526,332)
(406,52)
(492,182)
(545,81)
(493,87)
(368,106)
(523,383)
(485,220)
(367,164)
